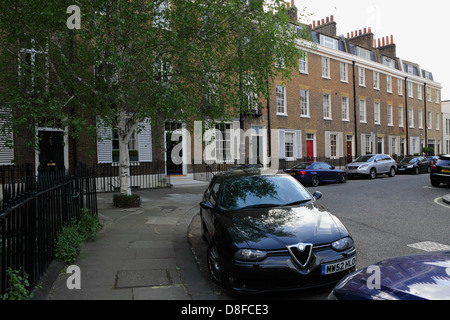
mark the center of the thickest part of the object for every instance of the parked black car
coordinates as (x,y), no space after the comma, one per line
(440,172)
(413,164)
(432,159)
(266,232)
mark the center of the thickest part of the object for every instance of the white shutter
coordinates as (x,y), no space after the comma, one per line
(104,143)
(236,141)
(6,153)
(298,145)
(145,142)
(363,144)
(281,144)
(327,145)
(340,145)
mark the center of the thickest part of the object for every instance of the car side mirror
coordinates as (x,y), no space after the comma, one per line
(206,205)
(332,168)
(317,195)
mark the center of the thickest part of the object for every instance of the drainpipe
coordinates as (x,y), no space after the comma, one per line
(269,135)
(406,115)
(355,111)
(426,113)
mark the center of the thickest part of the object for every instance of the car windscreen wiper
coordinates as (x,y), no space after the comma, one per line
(263,205)
(297,203)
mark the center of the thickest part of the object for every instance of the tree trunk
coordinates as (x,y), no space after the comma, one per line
(125,131)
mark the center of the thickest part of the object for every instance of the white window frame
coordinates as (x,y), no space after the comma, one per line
(420,119)
(376,80)
(390,115)
(304,103)
(362,111)
(410,89)
(326,74)
(344,72)
(401,122)
(326,100)
(429,122)
(361,76)
(377,112)
(400,87)
(303,64)
(389,84)
(438,121)
(411,118)
(281,100)
(419,92)
(345,108)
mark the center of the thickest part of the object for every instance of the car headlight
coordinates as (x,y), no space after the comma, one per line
(410,166)
(342,244)
(363,166)
(250,255)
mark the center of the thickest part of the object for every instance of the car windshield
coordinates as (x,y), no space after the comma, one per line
(304,165)
(262,191)
(366,158)
(408,160)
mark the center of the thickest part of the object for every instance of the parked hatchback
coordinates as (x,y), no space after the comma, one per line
(440,171)
(413,164)
(372,165)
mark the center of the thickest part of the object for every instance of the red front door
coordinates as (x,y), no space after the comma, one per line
(310,150)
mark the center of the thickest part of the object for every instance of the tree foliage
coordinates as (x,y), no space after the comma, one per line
(140,59)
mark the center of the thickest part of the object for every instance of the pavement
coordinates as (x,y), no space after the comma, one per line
(446,199)
(140,253)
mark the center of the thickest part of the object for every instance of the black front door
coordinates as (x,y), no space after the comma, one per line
(51,150)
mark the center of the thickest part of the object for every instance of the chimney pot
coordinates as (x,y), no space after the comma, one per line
(348,35)
(384,43)
(379,42)
(387,40)
(332,18)
(292,3)
(365,30)
(314,24)
(370,29)
(323,21)
(328,19)
(392,39)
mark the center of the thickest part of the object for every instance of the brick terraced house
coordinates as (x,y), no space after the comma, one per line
(351,95)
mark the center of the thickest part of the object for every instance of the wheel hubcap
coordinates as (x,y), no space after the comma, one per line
(213,262)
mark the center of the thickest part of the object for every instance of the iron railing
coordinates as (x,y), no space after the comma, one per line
(144,175)
(33,211)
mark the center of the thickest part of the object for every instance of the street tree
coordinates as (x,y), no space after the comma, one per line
(125,62)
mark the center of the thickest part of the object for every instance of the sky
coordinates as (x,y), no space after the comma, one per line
(420,28)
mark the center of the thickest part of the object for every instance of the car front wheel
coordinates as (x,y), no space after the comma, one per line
(315,181)
(392,172)
(373,173)
(215,265)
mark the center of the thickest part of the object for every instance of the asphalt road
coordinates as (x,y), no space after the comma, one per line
(387,217)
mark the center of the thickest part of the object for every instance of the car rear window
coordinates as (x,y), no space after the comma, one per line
(443,162)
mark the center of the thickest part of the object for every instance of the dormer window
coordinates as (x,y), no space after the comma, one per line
(329,42)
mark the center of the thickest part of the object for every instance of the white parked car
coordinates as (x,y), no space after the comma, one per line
(372,165)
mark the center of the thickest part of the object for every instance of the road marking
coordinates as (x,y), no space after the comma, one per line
(429,246)
(439,200)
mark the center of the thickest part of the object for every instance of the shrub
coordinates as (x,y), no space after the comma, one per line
(18,286)
(126,201)
(68,244)
(88,225)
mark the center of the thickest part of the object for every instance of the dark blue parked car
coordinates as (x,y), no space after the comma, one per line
(423,276)
(314,173)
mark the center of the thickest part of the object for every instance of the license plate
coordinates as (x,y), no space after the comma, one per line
(445,171)
(292,173)
(339,266)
